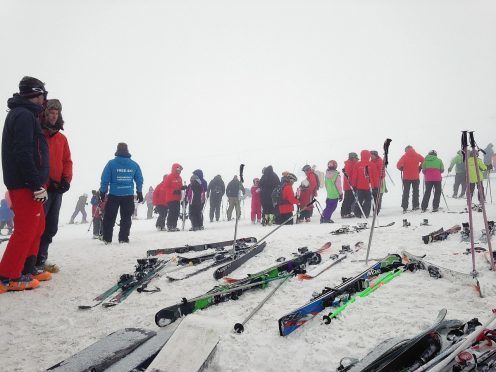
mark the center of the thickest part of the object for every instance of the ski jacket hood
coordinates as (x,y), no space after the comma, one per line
(410,163)
(199,173)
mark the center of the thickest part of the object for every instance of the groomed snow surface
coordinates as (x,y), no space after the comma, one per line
(42,327)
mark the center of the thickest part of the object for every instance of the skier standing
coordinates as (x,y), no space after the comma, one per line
(160,203)
(6,216)
(349,199)
(215,191)
(472,172)
(460,175)
(410,165)
(234,187)
(287,199)
(432,167)
(256,203)
(313,187)
(120,173)
(195,195)
(173,184)
(334,191)
(80,207)
(149,203)
(364,179)
(268,182)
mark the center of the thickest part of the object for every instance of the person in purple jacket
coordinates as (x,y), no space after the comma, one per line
(432,168)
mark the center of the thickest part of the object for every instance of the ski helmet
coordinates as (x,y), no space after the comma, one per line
(291,177)
(332,164)
(352,155)
(306,168)
(433,152)
(374,152)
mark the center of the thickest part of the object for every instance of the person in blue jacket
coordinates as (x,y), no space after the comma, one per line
(121,173)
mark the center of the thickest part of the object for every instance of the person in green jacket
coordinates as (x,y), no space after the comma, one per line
(460,174)
(432,167)
(472,173)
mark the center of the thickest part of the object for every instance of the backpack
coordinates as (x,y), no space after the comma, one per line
(276,196)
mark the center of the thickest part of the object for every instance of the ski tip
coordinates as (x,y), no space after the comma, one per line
(84,307)
(304,277)
(230,280)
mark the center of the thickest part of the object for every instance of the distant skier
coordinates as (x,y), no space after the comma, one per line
(334,191)
(313,187)
(472,173)
(215,191)
(160,203)
(349,199)
(121,174)
(432,167)
(80,207)
(256,203)
(149,203)
(6,216)
(195,195)
(173,196)
(460,175)
(364,178)
(410,165)
(268,182)
(287,200)
(233,189)
(204,184)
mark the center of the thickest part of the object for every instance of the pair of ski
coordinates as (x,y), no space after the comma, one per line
(202,247)
(295,319)
(440,234)
(146,270)
(237,287)
(359,227)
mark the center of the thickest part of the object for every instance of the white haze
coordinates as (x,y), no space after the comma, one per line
(212,84)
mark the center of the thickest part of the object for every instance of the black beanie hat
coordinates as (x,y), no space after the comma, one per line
(31,87)
(122,149)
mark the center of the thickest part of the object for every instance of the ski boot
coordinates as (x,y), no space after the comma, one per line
(425,222)
(406,223)
(465,233)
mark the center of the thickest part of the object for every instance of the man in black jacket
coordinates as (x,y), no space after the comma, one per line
(215,191)
(25,172)
(268,183)
(232,193)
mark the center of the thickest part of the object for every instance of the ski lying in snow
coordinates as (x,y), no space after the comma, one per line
(438,272)
(392,359)
(105,352)
(238,261)
(295,319)
(145,271)
(194,337)
(242,256)
(216,295)
(321,268)
(440,234)
(295,266)
(201,247)
(192,261)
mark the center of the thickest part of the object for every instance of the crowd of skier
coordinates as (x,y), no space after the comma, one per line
(37,171)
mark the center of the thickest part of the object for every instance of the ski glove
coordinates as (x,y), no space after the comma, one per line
(64,186)
(40,195)
(102,195)
(139,197)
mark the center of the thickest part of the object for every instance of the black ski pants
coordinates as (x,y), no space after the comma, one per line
(429,185)
(347,204)
(52,210)
(479,191)
(460,180)
(414,184)
(365,199)
(124,204)
(195,216)
(173,215)
(162,210)
(215,208)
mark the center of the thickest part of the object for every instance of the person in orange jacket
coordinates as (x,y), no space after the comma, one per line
(173,184)
(59,179)
(410,165)
(364,179)
(288,199)
(160,203)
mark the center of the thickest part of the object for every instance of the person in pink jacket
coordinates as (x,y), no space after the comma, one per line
(256,202)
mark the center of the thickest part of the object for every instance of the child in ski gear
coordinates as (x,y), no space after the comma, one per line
(364,178)
(25,166)
(98,213)
(60,175)
(256,203)
(349,198)
(268,182)
(149,203)
(432,167)
(160,203)
(313,187)
(472,174)
(215,191)
(195,195)
(121,174)
(334,191)
(232,192)
(173,196)
(6,216)
(410,165)
(305,196)
(378,192)
(287,199)
(80,207)
(460,174)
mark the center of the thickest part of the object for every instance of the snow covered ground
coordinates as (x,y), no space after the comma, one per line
(41,327)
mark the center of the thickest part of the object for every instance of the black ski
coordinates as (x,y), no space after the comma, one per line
(201,247)
(440,234)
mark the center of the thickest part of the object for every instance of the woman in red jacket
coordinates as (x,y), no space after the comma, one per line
(173,186)
(364,178)
(160,203)
(287,199)
(410,165)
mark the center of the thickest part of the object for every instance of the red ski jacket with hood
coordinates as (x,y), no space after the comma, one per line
(359,179)
(410,164)
(173,184)
(159,197)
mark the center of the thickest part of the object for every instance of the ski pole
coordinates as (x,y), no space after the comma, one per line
(444,198)
(469,199)
(390,179)
(91,223)
(239,327)
(384,165)
(481,199)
